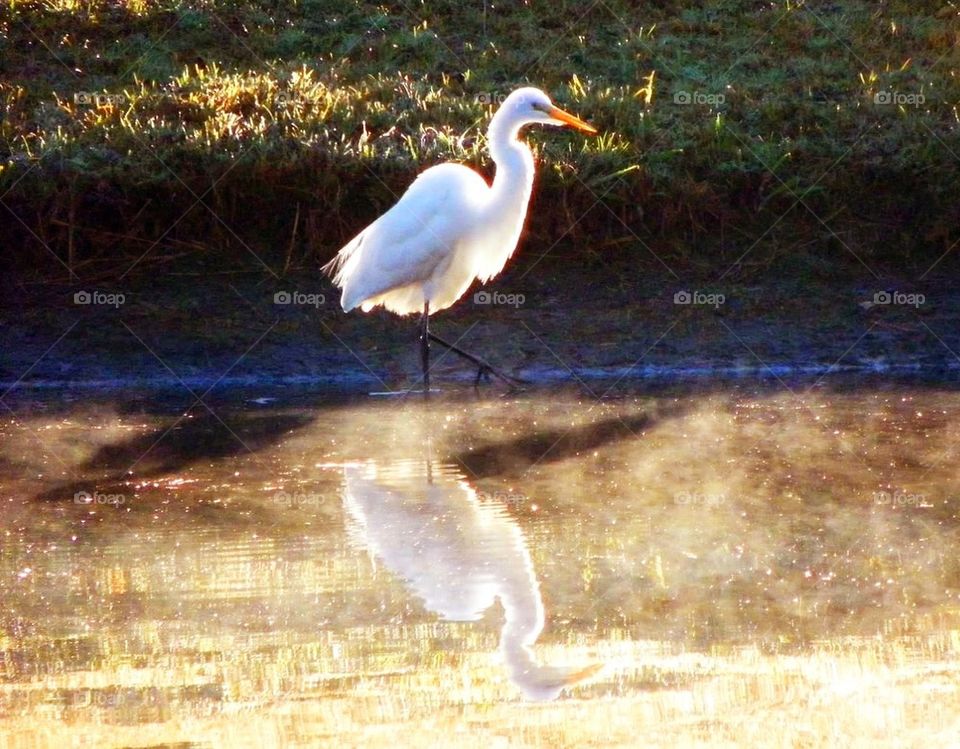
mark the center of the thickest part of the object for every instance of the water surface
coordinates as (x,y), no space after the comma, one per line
(725,565)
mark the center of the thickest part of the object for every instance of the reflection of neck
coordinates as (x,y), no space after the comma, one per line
(523,612)
(520,595)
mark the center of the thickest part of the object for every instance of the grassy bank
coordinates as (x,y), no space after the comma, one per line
(262,134)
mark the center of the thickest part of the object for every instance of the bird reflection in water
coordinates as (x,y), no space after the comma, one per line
(458,553)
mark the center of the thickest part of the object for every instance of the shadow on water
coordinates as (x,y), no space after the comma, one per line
(546,446)
(233,428)
(170,447)
(549,445)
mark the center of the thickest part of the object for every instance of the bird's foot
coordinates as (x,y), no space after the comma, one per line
(485,372)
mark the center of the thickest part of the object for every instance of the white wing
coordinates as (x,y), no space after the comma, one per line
(412,242)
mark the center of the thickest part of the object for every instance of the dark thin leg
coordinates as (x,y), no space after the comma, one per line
(425,348)
(483,366)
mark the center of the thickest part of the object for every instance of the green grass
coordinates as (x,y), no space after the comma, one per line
(297,122)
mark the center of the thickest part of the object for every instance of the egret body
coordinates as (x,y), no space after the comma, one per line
(449,228)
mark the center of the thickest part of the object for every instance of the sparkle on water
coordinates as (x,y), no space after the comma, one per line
(725,567)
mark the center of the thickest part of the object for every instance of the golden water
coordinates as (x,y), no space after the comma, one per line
(733,567)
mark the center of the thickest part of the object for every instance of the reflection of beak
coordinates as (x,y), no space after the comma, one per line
(584,673)
(544,683)
(571,120)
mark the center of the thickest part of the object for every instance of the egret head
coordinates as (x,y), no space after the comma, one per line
(531,105)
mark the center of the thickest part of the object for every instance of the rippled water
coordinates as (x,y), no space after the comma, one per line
(729,566)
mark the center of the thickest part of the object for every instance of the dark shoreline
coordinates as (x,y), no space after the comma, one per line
(616,320)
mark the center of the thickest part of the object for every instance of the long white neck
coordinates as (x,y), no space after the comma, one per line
(509,195)
(514,177)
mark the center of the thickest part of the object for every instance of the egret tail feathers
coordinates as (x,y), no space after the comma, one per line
(338,269)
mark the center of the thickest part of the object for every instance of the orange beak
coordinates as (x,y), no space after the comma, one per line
(571,120)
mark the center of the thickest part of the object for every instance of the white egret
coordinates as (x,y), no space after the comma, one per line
(449,228)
